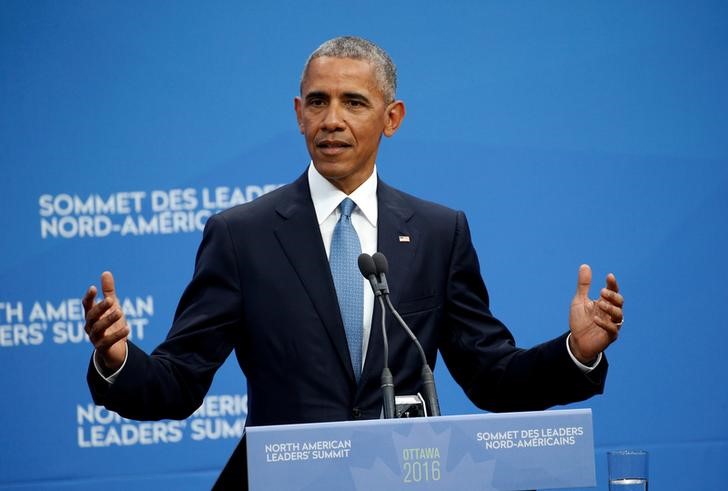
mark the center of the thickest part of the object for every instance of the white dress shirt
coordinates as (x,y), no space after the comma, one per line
(326,199)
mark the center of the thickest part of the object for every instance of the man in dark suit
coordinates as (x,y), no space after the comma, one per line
(264,287)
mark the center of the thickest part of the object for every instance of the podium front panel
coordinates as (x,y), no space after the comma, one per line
(499,452)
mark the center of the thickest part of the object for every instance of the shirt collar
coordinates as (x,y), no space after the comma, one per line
(326,197)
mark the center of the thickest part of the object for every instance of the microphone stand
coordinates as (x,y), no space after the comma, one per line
(428,380)
(368,270)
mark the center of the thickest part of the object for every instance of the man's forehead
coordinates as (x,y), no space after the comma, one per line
(327,73)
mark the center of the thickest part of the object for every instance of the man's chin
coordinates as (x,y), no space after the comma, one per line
(331,168)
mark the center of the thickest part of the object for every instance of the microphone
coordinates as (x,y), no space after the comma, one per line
(428,380)
(369,271)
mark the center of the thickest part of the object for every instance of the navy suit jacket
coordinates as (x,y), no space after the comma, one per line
(262,286)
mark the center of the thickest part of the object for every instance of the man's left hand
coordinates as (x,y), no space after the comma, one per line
(594,324)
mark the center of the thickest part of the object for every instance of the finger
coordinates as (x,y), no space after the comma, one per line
(97,329)
(88,299)
(612,283)
(107,284)
(583,281)
(112,337)
(99,310)
(610,328)
(614,312)
(612,297)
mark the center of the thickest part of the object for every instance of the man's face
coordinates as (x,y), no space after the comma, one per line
(342,114)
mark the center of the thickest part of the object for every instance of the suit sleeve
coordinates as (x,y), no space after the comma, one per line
(481,354)
(173,380)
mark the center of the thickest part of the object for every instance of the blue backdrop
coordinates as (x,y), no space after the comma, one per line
(569,132)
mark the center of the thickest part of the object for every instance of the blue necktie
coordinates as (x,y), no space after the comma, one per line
(345,250)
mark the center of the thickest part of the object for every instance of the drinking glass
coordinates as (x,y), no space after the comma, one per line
(627,470)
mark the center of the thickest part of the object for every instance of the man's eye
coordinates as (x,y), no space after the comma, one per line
(355,103)
(316,102)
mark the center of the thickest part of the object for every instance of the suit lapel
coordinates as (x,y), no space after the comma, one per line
(397,240)
(300,237)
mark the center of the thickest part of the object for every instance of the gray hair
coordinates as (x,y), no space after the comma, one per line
(360,49)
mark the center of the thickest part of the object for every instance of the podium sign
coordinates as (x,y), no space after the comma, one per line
(500,452)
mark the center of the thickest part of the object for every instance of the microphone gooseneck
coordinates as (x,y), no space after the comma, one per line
(386,379)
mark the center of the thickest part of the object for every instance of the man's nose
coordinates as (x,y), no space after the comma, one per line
(333,118)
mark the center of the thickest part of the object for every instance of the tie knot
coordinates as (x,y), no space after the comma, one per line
(346,207)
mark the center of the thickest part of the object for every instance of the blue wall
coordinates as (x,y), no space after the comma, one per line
(569,132)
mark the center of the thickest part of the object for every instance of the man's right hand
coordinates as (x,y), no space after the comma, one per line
(106,325)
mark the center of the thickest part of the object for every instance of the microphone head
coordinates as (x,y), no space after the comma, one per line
(366,265)
(380,262)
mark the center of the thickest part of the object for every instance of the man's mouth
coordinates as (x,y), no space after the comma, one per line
(332,147)
(332,144)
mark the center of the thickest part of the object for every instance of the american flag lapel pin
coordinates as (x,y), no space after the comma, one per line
(404,238)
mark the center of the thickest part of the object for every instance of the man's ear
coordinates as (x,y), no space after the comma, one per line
(395,115)
(297,107)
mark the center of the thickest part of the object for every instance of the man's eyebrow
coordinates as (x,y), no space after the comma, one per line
(317,95)
(356,96)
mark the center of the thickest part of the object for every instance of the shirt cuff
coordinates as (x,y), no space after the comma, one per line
(111,378)
(582,367)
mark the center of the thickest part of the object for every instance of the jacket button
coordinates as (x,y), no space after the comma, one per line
(356,412)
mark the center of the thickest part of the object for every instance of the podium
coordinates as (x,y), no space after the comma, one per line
(499,452)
